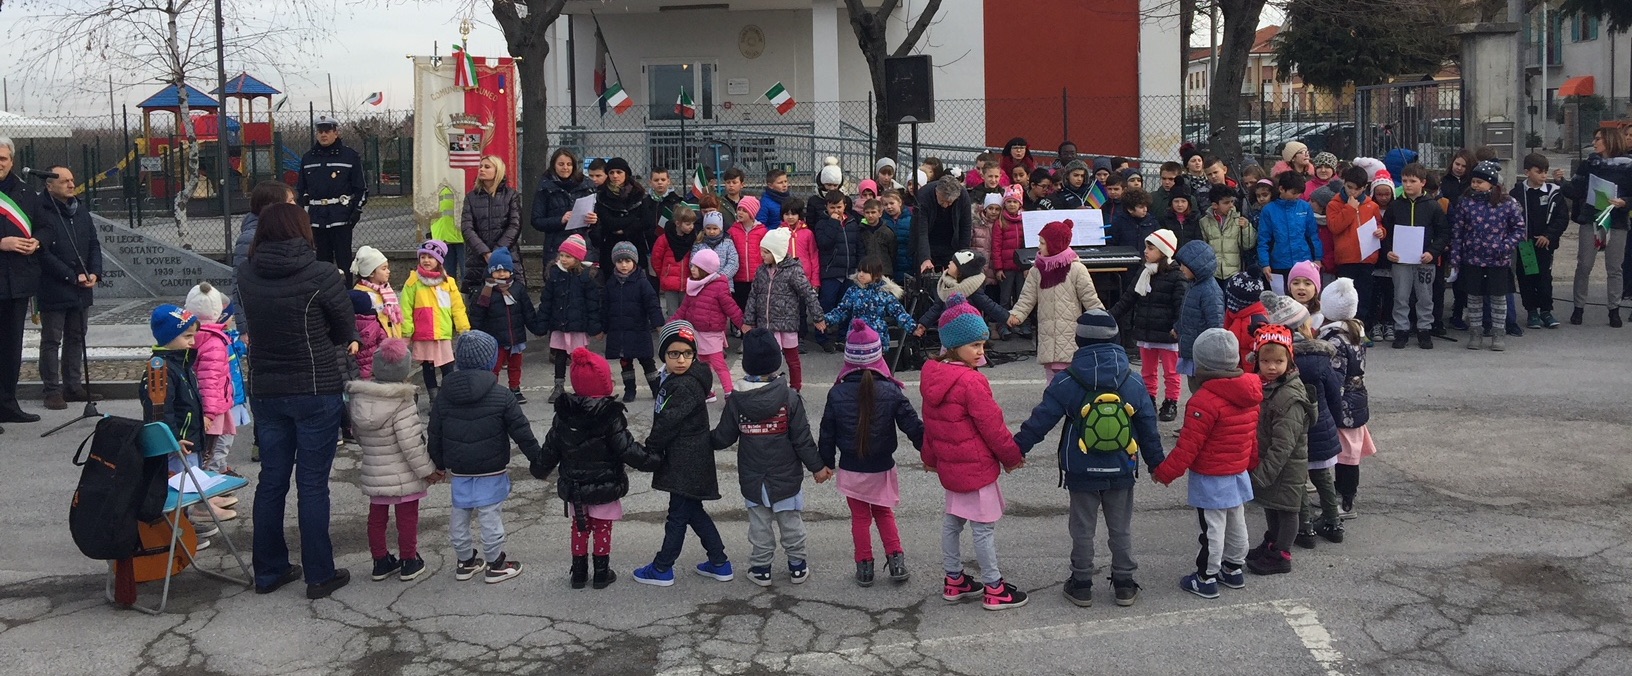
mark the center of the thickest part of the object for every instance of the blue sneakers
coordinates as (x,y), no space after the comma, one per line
(760,575)
(1193,583)
(720,571)
(649,574)
(799,571)
(1234,579)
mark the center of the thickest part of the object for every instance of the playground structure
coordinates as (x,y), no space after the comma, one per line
(252,147)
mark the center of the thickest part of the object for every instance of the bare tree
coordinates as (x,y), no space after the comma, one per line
(523,26)
(1235,43)
(871,28)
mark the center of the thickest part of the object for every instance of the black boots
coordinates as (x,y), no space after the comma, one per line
(604,576)
(652,381)
(580,571)
(629,385)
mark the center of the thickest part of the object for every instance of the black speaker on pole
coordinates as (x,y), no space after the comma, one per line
(909,94)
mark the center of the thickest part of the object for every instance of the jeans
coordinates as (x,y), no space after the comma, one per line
(1118,507)
(1320,509)
(832,292)
(686,513)
(1586,254)
(13,312)
(297,436)
(490,519)
(985,536)
(1223,540)
(334,245)
(762,537)
(62,350)
(1409,278)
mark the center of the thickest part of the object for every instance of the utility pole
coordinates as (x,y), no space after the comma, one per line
(221,130)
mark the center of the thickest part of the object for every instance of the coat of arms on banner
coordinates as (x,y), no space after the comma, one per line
(465,135)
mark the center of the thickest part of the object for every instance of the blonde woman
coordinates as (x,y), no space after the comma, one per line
(491,219)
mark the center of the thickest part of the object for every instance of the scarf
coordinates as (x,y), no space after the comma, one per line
(1055,267)
(715,240)
(486,297)
(679,245)
(1011,220)
(1143,286)
(388,299)
(429,277)
(966,286)
(695,286)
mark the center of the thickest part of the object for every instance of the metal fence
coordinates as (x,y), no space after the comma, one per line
(1422,116)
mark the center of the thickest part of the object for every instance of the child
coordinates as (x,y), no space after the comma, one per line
(1154,307)
(1287,233)
(714,237)
(373,273)
(772,202)
(1059,288)
(1217,446)
(899,220)
(1350,209)
(1303,285)
(839,240)
(590,441)
(980,233)
(864,408)
(238,363)
(1114,188)
(631,314)
(369,332)
(1097,479)
(963,275)
(1283,449)
(1132,224)
(873,299)
(474,419)
(1244,310)
(746,209)
(396,468)
(1485,228)
(1203,304)
(1380,302)
(1416,207)
(1313,359)
(1346,336)
(709,309)
(780,298)
(804,241)
(964,444)
(1040,195)
(569,307)
(175,332)
(671,257)
(1545,218)
(504,310)
(1234,238)
(1263,192)
(213,367)
(1169,174)
(1132,179)
(1181,217)
(877,239)
(433,313)
(866,191)
(1007,240)
(678,453)
(766,420)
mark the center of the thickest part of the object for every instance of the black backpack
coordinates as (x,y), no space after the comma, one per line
(118,488)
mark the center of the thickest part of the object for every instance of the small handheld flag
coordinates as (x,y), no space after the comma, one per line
(1096,196)
(779,97)
(617,98)
(684,107)
(375,99)
(699,183)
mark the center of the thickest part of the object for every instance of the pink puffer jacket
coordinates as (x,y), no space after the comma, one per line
(965,440)
(214,369)
(712,309)
(369,336)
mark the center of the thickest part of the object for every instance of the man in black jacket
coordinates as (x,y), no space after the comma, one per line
(71,265)
(23,231)
(943,223)
(332,190)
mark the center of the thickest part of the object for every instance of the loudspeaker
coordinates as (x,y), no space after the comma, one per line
(909,89)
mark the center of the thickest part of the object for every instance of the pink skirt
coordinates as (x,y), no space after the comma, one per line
(568,341)
(437,352)
(710,342)
(1357,445)
(611,511)
(982,506)
(788,340)
(397,499)
(874,488)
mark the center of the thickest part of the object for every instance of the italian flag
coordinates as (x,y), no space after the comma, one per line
(684,107)
(699,183)
(16,216)
(779,97)
(617,98)
(464,69)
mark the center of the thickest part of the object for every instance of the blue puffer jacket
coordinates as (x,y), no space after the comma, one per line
(1101,366)
(569,302)
(770,208)
(1287,235)
(840,247)
(840,422)
(902,226)
(1203,306)
(506,322)
(1325,386)
(1349,360)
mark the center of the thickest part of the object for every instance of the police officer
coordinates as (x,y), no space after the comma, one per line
(23,233)
(332,190)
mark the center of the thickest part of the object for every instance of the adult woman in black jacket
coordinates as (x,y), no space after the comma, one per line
(552,204)
(491,219)
(298,311)
(625,215)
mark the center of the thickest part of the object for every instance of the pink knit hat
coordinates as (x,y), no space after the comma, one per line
(591,377)
(750,204)
(1306,270)
(868,184)
(575,247)
(706,259)
(863,350)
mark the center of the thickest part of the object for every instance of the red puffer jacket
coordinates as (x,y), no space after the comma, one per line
(965,440)
(712,309)
(1240,324)
(671,274)
(1220,434)
(1005,242)
(751,258)
(739,237)
(804,248)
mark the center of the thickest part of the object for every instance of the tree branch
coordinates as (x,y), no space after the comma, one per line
(925,17)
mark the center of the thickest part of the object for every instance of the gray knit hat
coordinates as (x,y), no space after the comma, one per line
(625,251)
(1217,350)
(1284,310)
(393,361)
(1095,326)
(475,351)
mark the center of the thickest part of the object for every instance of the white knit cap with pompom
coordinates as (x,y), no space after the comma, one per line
(206,302)
(831,174)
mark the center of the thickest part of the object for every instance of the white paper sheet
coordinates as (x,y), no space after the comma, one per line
(581,208)
(204,481)
(1408,241)
(1277,283)
(1369,242)
(1088,226)
(1600,191)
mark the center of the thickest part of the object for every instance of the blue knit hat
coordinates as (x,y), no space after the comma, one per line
(362,303)
(961,324)
(500,259)
(168,322)
(475,351)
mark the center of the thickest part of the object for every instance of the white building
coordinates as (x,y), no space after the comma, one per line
(1582,59)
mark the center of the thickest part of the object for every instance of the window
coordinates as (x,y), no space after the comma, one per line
(1583,28)
(664,82)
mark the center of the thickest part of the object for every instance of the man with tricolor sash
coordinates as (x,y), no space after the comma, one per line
(21,232)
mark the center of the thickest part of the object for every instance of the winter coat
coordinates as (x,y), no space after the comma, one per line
(473,421)
(213,367)
(752,258)
(1153,315)
(1287,235)
(1349,361)
(840,247)
(183,405)
(1485,235)
(877,304)
(1204,303)
(331,186)
(1220,433)
(739,243)
(965,440)
(391,330)
(711,309)
(1127,230)
(589,441)
(1616,170)
(1546,212)
(671,274)
(240,258)
(623,216)
(489,221)
(1325,388)
(1187,230)
(877,239)
(770,208)
(298,311)
(777,295)
(841,426)
(1242,325)
(631,313)
(570,302)
(1006,245)
(677,449)
(73,249)
(940,232)
(662,214)
(1068,197)
(551,201)
(506,322)
(369,336)
(1234,243)
(19,274)
(432,312)
(810,259)
(1101,367)
(1424,212)
(980,241)
(767,423)
(1343,221)
(385,422)
(727,251)
(970,288)
(1283,445)
(1058,308)
(902,227)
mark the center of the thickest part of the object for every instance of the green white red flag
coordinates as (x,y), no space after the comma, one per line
(684,107)
(779,97)
(464,69)
(617,98)
(15,215)
(699,183)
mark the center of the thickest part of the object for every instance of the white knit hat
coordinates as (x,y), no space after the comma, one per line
(367,260)
(206,303)
(1339,301)
(831,173)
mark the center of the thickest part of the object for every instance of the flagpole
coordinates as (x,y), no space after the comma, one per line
(617,76)
(682,129)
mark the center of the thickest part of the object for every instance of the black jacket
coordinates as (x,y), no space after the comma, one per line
(1546,211)
(553,199)
(772,435)
(1189,231)
(839,244)
(1154,316)
(506,322)
(183,405)
(240,258)
(590,442)
(625,216)
(630,314)
(298,310)
(1325,388)
(473,421)
(569,302)
(937,232)
(19,274)
(677,449)
(1421,212)
(489,221)
(841,428)
(75,249)
(331,186)
(1616,170)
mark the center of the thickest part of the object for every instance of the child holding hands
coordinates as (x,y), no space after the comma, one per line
(396,467)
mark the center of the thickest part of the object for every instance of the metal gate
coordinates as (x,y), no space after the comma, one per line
(1422,116)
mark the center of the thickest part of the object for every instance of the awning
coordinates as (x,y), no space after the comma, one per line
(1581,85)
(17,126)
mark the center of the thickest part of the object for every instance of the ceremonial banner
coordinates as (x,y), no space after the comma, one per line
(455,126)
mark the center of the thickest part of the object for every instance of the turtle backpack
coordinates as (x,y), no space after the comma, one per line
(1104,423)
